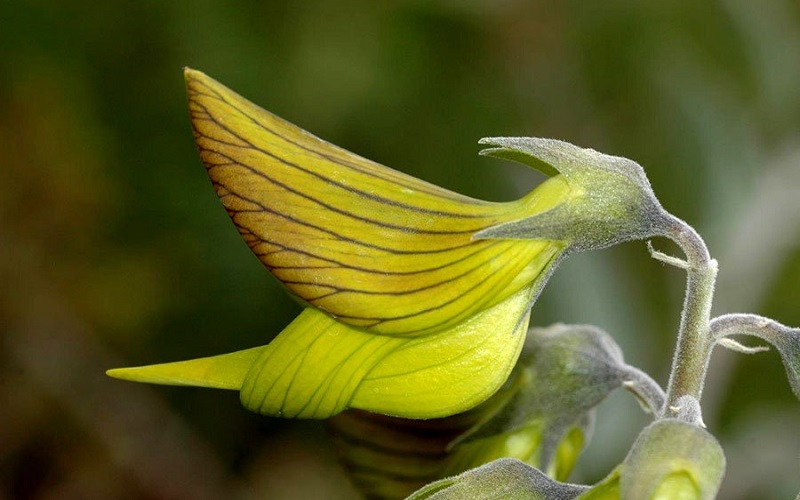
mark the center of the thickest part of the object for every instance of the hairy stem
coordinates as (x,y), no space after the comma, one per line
(695,340)
(647,390)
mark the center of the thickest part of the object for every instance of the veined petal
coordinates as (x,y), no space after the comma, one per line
(318,366)
(373,247)
(313,367)
(451,371)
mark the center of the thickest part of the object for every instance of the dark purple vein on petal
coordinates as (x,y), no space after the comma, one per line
(259,173)
(384,174)
(412,291)
(339,236)
(458,297)
(232,163)
(438,192)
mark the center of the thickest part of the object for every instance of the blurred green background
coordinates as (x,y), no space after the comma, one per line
(115,251)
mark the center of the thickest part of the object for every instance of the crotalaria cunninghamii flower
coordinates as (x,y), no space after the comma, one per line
(409,313)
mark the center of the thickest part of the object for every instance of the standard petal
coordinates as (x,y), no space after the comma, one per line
(369,245)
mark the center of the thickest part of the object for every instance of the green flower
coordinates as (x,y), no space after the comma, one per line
(673,459)
(417,298)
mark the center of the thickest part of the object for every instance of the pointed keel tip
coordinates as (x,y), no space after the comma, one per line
(119,373)
(226,371)
(186,373)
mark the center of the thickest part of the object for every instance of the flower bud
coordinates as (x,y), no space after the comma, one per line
(673,459)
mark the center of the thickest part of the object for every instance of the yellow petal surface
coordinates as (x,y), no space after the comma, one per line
(226,371)
(313,367)
(369,245)
(318,367)
(452,371)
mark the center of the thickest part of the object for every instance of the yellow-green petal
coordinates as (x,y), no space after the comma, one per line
(225,371)
(373,247)
(318,366)
(313,367)
(451,371)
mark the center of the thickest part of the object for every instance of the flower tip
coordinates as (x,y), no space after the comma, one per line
(152,374)
(188,73)
(118,373)
(191,76)
(225,371)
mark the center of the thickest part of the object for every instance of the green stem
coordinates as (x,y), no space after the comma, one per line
(695,341)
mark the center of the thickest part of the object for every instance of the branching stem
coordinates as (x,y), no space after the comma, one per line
(695,341)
